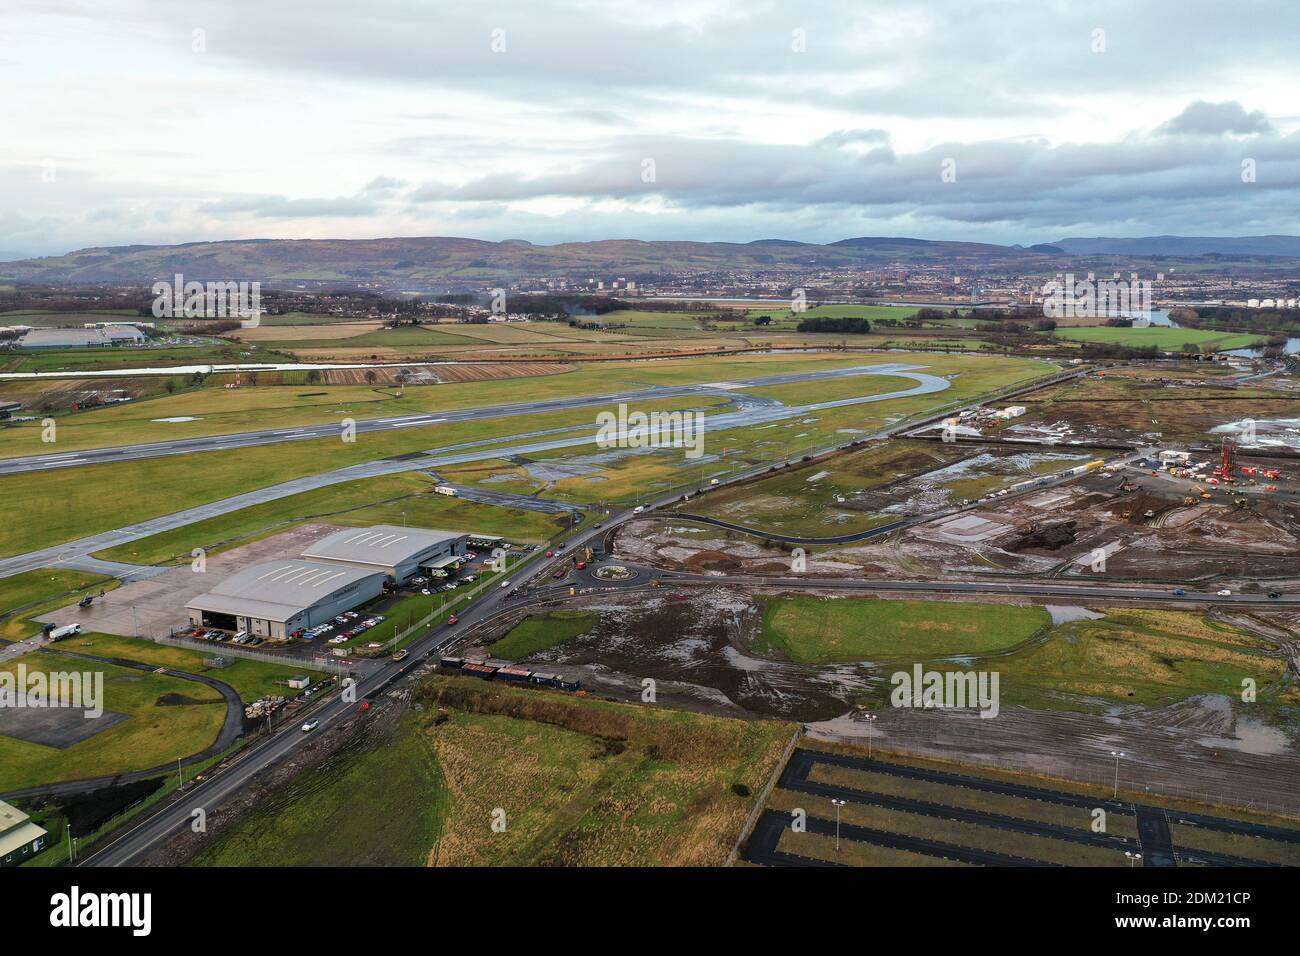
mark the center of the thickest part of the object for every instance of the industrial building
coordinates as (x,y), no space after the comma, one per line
(20,839)
(399,553)
(82,338)
(276,599)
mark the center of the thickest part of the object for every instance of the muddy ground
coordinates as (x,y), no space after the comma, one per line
(1145,533)
(696,648)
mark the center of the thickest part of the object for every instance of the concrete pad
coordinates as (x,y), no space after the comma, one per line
(156,606)
(57,727)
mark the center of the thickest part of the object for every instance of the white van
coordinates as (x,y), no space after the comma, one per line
(638,509)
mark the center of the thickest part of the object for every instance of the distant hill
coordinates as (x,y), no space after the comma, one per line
(448,262)
(420,262)
(1254,246)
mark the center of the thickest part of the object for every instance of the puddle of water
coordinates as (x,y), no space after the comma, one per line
(1252,737)
(1061,613)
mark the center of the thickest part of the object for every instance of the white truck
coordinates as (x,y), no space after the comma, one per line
(59,633)
(445,490)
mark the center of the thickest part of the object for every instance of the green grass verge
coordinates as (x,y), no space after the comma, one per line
(817,631)
(381,803)
(540,632)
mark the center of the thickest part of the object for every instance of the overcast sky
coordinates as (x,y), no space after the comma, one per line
(143,121)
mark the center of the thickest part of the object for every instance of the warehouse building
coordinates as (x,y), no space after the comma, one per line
(82,338)
(397,552)
(275,599)
(20,838)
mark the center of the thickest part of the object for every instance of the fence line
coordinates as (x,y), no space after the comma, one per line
(234,650)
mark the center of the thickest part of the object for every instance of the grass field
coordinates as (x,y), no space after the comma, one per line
(537,632)
(379,803)
(1167,339)
(391,499)
(1149,658)
(154,734)
(579,782)
(251,679)
(27,595)
(219,411)
(816,630)
(592,783)
(68,503)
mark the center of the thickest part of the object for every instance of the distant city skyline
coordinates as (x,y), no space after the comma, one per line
(561,120)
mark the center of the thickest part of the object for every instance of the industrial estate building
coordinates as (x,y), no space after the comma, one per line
(336,574)
(398,552)
(280,597)
(20,839)
(82,338)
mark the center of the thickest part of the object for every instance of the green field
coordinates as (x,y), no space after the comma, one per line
(580,782)
(1167,339)
(32,593)
(1147,658)
(68,503)
(155,734)
(818,631)
(251,679)
(538,632)
(391,499)
(380,802)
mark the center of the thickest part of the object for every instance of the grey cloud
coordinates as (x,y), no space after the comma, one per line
(282,207)
(1215,119)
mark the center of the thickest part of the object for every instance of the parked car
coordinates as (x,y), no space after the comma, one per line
(558,574)
(505,584)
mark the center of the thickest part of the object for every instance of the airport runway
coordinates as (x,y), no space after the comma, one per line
(71,552)
(275,436)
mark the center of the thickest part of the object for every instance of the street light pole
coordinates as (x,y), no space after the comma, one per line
(872,718)
(838,804)
(1116,754)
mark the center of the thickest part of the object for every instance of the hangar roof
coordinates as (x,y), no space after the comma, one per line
(278,590)
(382,545)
